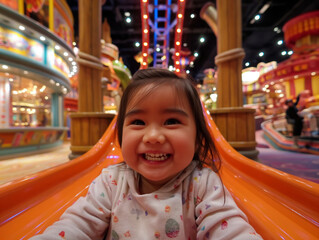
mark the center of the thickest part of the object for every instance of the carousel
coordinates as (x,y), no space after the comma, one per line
(273,84)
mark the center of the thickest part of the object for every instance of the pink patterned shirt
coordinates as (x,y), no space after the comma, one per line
(193,205)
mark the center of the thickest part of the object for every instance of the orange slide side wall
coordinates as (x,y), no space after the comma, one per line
(278,205)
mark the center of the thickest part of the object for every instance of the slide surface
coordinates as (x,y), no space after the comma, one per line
(278,205)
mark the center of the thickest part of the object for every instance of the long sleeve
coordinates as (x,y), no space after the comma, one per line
(217,215)
(87,218)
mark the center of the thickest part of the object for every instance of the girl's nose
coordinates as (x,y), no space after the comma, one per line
(153,135)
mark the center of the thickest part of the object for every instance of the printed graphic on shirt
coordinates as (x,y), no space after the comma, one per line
(224,225)
(171,228)
(136,211)
(127,234)
(62,234)
(115,236)
(157,235)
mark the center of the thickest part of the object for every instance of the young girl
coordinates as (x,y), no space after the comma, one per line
(162,190)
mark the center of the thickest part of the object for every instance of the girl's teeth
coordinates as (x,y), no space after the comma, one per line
(156,156)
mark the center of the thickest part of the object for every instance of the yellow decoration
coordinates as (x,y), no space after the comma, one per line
(299,85)
(315,85)
(287,89)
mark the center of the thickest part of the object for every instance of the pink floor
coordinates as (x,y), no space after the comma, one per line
(299,164)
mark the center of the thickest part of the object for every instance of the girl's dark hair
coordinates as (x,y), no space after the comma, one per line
(205,151)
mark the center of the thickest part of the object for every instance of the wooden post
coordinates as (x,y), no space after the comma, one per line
(90,72)
(89,124)
(236,123)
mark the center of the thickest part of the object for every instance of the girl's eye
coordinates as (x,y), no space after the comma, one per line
(137,122)
(172,121)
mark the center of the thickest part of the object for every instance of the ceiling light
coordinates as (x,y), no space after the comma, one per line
(137,44)
(127,14)
(202,39)
(247,64)
(43,88)
(195,54)
(256,18)
(128,20)
(264,8)
(261,54)
(290,52)
(192,15)
(22,28)
(76,50)
(277,30)
(42,38)
(283,53)
(280,42)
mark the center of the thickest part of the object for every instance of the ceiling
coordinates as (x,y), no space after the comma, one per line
(256,37)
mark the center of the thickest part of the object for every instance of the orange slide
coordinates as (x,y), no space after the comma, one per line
(278,205)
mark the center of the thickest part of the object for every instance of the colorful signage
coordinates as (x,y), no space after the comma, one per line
(25,138)
(13,4)
(38,10)
(61,65)
(13,41)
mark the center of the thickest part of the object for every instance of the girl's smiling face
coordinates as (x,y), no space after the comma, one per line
(159,135)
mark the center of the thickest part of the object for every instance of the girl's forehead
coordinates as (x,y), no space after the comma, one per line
(146,91)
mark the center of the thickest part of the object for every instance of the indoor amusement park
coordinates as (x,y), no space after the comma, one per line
(201,114)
